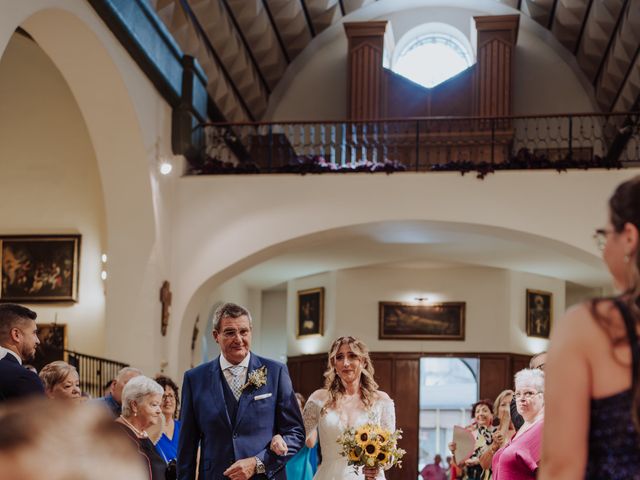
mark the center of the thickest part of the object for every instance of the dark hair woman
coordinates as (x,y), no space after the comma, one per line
(167,444)
(592,383)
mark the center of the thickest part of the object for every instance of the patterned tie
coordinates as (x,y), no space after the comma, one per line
(237,381)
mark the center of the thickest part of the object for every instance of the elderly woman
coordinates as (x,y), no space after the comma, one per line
(483,430)
(141,400)
(167,444)
(519,459)
(61,381)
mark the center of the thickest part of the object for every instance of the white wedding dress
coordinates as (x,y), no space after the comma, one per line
(333,423)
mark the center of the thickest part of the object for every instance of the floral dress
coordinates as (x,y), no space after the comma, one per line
(484,438)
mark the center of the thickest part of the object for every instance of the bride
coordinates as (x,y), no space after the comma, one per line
(350,398)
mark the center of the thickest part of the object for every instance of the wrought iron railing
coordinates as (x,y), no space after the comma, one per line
(94,372)
(421,144)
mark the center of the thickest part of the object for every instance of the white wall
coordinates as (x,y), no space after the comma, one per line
(495,315)
(274,325)
(50,181)
(128,124)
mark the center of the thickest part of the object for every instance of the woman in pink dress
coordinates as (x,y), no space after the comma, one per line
(519,459)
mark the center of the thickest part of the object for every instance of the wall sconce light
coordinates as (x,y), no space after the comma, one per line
(165,167)
(103,275)
(421,299)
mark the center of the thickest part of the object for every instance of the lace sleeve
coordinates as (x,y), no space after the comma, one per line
(388,415)
(310,416)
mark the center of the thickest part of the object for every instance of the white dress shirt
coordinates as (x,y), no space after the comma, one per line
(225,364)
(6,351)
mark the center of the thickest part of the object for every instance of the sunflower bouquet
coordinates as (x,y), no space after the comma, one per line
(371,446)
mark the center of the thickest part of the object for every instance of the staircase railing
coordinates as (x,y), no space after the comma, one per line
(94,372)
(587,140)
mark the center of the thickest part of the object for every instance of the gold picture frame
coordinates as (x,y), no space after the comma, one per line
(310,317)
(39,268)
(539,313)
(422,321)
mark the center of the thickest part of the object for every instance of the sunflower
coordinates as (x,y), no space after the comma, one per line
(382,436)
(362,436)
(371,450)
(382,458)
(354,454)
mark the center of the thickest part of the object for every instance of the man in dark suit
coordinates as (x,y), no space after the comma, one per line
(233,406)
(19,339)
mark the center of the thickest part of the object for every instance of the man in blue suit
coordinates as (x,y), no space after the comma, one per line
(18,339)
(233,406)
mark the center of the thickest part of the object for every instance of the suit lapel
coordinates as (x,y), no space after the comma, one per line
(247,393)
(217,376)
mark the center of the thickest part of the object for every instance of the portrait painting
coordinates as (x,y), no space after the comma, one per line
(419,321)
(310,312)
(39,268)
(539,313)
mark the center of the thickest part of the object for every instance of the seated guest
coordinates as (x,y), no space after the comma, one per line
(113,401)
(141,400)
(19,339)
(40,439)
(519,458)
(61,381)
(167,444)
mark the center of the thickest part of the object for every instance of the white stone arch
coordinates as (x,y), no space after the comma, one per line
(106,85)
(234,223)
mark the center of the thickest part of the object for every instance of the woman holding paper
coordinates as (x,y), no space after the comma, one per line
(520,457)
(482,430)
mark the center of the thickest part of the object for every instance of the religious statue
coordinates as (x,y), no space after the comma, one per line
(165,299)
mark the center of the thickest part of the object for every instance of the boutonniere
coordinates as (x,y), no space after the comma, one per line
(257,378)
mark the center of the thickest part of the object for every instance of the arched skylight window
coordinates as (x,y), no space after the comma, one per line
(432,58)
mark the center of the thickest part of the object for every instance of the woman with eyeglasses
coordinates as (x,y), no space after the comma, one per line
(520,457)
(593,366)
(167,445)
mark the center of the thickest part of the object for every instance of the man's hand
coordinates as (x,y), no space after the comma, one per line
(242,469)
(278,445)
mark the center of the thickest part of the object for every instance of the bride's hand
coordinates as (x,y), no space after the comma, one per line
(370,473)
(278,445)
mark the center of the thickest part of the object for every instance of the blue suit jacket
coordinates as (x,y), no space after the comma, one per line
(262,413)
(16,381)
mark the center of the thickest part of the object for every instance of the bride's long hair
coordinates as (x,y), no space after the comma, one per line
(332,382)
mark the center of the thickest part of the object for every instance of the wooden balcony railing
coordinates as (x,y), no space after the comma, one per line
(421,144)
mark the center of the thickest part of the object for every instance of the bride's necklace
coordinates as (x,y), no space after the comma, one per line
(140,433)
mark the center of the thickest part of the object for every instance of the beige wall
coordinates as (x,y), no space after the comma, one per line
(494,306)
(50,181)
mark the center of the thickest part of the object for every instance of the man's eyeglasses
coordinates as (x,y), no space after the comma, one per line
(600,237)
(233,333)
(528,395)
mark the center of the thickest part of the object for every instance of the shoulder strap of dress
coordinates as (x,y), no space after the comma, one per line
(632,335)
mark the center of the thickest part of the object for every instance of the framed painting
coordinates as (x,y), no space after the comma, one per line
(310,312)
(416,321)
(39,268)
(53,342)
(539,313)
